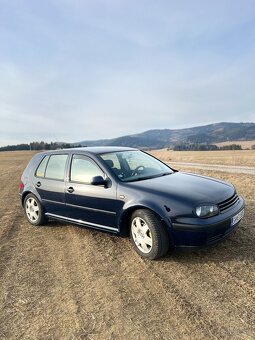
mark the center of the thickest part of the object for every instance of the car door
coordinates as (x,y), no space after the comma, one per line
(93,205)
(49,183)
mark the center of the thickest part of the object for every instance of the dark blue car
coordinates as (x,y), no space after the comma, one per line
(128,192)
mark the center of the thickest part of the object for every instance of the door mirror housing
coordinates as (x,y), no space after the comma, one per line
(99,180)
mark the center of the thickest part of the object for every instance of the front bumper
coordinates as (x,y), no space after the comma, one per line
(204,232)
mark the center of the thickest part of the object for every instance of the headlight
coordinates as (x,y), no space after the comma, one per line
(207,210)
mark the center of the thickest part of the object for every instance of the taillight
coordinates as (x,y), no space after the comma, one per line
(21,185)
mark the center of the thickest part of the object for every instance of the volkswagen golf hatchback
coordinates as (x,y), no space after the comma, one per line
(125,191)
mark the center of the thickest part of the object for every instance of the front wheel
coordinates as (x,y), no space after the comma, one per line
(33,210)
(148,235)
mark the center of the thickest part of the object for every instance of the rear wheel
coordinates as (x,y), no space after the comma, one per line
(148,235)
(33,210)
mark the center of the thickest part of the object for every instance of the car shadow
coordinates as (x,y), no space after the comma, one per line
(239,246)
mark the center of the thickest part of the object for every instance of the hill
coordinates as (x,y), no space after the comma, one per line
(162,138)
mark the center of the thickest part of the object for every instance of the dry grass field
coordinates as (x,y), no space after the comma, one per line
(246,144)
(65,282)
(226,157)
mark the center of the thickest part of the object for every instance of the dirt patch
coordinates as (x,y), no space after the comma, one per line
(66,282)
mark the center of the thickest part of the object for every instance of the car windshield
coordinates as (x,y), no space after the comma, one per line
(135,165)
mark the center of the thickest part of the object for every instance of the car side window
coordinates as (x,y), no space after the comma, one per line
(42,166)
(83,169)
(56,167)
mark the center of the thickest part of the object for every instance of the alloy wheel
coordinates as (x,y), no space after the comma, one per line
(32,209)
(141,235)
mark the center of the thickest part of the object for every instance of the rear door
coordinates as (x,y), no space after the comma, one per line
(49,183)
(86,203)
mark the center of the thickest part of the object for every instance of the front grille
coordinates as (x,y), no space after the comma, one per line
(224,205)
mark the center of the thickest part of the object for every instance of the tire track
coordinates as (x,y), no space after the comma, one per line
(66,282)
(210,299)
(75,275)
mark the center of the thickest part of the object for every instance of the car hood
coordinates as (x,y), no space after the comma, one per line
(188,187)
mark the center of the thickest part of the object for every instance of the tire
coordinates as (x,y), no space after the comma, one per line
(148,235)
(33,210)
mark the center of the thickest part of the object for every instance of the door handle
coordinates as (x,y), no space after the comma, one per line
(70,190)
(38,184)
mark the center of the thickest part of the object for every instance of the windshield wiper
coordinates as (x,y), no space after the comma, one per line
(148,177)
(140,179)
(166,173)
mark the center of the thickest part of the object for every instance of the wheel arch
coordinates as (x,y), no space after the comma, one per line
(27,192)
(124,220)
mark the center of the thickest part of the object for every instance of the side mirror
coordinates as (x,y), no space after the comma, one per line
(98,180)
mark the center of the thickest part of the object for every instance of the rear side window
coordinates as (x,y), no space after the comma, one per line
(84,169)
(42,166)
(56,167)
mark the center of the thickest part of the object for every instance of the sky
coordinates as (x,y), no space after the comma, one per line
(75,70)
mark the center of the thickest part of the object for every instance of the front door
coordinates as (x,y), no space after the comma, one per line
(89,204)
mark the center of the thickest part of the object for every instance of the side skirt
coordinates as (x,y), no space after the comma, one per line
(83,223)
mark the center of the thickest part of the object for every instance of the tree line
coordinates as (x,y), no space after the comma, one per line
(205,147)
(38,146)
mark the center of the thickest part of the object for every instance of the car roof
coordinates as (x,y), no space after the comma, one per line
(94,149)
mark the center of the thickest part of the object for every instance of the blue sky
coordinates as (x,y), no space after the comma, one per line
(74,70)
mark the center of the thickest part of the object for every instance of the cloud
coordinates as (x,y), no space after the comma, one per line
(75,70)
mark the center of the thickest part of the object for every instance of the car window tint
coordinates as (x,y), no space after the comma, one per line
(84,169)
(41,168)
(56,167)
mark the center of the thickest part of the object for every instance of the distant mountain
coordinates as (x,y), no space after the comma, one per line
(162,138)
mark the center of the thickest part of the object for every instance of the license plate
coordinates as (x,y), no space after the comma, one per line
(235,219)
